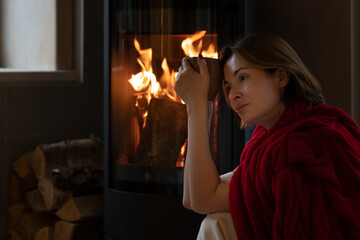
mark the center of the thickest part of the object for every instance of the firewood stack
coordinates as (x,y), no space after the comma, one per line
(56,192)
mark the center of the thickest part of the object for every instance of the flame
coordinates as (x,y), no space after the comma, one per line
(192,50)
(146,78)
(168,79)
(145,83)
(145,56)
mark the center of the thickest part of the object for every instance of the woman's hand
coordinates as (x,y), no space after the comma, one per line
(191,86)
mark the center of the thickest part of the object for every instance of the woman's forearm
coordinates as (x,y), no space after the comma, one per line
(186,195)
(201,178)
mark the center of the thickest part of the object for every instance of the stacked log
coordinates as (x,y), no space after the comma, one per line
(56,192)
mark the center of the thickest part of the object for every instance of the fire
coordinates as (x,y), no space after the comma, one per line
(146,85)
(145,82)
(168,78)
(193,51)
(181,159)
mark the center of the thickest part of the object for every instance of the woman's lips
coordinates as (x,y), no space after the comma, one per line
(240,107)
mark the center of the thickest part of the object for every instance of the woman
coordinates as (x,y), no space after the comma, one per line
(299,175)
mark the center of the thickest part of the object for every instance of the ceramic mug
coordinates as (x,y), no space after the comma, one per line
(215,71)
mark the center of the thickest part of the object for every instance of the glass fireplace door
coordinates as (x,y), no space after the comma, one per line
(148,121)
(145,122)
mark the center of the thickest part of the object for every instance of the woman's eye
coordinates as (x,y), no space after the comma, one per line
(243,77)
(227,88)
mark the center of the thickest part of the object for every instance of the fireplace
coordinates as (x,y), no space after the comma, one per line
(145,121)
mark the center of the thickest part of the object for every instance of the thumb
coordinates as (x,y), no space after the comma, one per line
(202,65)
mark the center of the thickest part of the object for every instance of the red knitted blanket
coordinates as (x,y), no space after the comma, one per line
(300,179)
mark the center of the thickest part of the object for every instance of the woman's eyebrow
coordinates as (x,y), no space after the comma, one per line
(240,68)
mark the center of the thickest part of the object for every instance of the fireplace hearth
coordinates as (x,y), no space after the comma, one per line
(145,122)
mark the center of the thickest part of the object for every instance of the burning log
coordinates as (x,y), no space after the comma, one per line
(164,134)
(140,108)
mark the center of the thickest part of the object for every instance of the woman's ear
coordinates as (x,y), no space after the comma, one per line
(283,77)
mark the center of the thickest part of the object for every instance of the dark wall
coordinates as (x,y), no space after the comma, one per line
(320,33)
(32,114)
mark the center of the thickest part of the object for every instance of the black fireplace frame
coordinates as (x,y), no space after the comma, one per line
(143,217)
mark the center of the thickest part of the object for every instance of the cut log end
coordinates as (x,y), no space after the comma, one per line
(38,163)
(45,233)
(35,200)
(46,188)
(81,208)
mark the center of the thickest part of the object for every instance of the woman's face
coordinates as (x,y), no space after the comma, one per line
(255,95)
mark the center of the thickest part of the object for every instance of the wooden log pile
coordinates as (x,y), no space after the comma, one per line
(56,192)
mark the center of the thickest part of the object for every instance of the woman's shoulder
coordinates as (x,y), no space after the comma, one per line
(324,131)
(305,131)
(316,132)
(325,122)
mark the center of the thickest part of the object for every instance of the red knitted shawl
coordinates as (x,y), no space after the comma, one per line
(300,179)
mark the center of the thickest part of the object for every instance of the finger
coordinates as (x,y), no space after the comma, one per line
(180,69)
(185,63)
(202,65)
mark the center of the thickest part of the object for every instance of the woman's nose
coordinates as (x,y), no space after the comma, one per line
(233,94)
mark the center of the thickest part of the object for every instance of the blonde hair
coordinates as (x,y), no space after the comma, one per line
(269,53)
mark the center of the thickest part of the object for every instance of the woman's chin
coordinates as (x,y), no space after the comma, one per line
(248,121)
